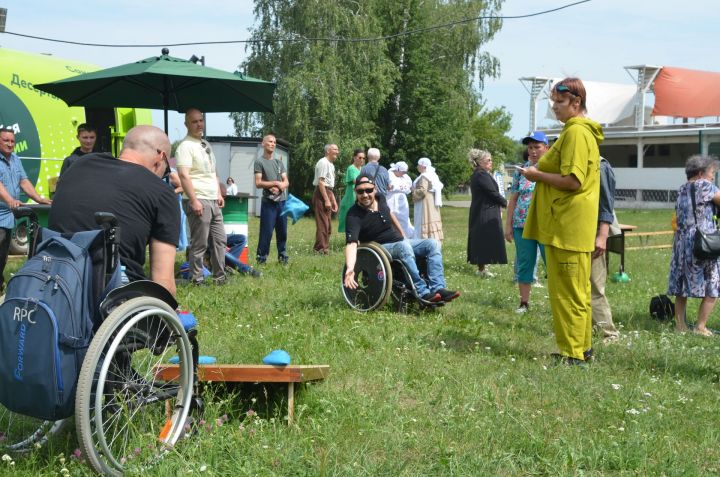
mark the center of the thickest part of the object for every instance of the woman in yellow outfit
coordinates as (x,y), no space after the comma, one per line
(563,216)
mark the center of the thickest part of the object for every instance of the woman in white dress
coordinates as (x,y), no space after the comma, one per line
(231,187)
(399,187)
(427,195)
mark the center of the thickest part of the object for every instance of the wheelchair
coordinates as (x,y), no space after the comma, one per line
(125,417)
(381,277)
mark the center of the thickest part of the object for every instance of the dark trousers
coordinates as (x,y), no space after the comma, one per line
(323,217)
(5,237)
(270,219)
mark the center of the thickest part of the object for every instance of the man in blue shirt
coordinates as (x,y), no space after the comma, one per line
(13,179)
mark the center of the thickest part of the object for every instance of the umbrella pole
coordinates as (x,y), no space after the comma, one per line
(166,101)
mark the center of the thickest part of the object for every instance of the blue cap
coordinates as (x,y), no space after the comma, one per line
(536,136)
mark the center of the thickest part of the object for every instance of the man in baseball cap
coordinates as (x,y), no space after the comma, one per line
(536,136)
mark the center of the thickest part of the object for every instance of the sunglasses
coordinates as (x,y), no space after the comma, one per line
(366,191)
(561,88)
(205,146)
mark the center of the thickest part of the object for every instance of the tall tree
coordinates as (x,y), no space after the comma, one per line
(327,91)
(490,128)
(434,98)
(412,93)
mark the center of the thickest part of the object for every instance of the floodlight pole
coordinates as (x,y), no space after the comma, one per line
(3,18)
(195,59)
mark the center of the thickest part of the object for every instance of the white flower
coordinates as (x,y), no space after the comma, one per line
(634,412)
(615,386)
(203,468)
(6,458)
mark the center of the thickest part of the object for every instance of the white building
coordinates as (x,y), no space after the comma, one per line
(651,127)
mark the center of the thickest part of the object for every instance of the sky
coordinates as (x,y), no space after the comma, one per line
(592,40)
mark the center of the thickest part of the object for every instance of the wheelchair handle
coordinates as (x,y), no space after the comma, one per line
(103,218)
(20,212)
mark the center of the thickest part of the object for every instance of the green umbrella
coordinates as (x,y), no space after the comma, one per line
(167,83)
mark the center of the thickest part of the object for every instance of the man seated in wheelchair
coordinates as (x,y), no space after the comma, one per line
(131,189)
(370,219)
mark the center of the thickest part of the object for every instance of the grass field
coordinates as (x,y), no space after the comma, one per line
(468,390)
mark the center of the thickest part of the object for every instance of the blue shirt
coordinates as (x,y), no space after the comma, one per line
(11,173)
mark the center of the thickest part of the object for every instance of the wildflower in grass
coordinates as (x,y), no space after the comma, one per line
(2,436)
(137,451)
(634,412)
(38,445)
(219,422)
(203,468)
(64,471)
(251,413)
(77,453)
(6,458)
(615,386)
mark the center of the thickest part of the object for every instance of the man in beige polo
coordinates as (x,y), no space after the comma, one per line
(202,200)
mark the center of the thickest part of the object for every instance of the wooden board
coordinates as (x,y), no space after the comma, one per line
(249,373)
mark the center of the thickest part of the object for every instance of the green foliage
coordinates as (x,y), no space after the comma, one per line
(468,390)
(409,95)
(489,129)
(327,91)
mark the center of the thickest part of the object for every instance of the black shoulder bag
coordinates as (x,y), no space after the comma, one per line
(706,245)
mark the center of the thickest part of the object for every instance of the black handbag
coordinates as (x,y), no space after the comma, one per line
(707,244)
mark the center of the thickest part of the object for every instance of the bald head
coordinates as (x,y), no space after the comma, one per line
(147,146)
(195,123)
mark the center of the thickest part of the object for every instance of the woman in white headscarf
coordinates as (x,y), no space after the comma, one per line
(399,187)
(427,196)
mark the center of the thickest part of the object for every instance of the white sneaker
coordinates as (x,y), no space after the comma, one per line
(522,309)
(485,274)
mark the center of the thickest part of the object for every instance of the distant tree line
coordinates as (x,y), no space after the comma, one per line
(409,95)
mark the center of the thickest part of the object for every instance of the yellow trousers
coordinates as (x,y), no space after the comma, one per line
(570,299)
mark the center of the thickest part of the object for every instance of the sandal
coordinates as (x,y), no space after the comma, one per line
(702,332)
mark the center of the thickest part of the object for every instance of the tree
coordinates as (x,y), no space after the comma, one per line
(411,95)
(434,99)
(489,130)
(326,91)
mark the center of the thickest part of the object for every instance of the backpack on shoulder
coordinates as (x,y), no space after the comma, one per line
(46,324)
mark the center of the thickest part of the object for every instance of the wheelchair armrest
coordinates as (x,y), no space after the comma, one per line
(24,211)
(136,289)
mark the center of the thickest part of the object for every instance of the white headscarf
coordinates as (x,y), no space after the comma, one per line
(432,176)
(400,166)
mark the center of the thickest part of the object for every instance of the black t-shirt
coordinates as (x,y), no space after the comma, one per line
(363,225)
(143,204)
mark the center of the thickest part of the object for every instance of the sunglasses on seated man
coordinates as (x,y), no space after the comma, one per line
(365,191)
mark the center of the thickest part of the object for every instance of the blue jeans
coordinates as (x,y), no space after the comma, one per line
(407,250)
(270,219)
(237,243)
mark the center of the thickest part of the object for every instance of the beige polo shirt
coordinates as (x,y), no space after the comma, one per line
(326,170)
(197,155)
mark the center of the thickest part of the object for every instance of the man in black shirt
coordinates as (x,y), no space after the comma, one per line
(86,135)
(130,188)
(370,219)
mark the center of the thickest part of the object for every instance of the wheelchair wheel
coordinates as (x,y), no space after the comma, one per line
(374,277)
(126,418)
(19,434)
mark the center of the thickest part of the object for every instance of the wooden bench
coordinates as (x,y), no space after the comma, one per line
(644,238)
(254,373)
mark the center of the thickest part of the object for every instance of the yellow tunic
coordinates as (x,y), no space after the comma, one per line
(568,219)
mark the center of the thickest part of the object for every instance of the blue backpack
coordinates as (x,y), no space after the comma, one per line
(46,324)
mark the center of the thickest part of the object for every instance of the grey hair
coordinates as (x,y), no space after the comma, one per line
(476,156)
(699,164)
(373,154)
(328,146)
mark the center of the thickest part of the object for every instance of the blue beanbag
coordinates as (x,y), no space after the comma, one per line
(295,208)
(201,360)
(278,357)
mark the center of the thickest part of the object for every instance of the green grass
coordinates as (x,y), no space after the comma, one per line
(467,390)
